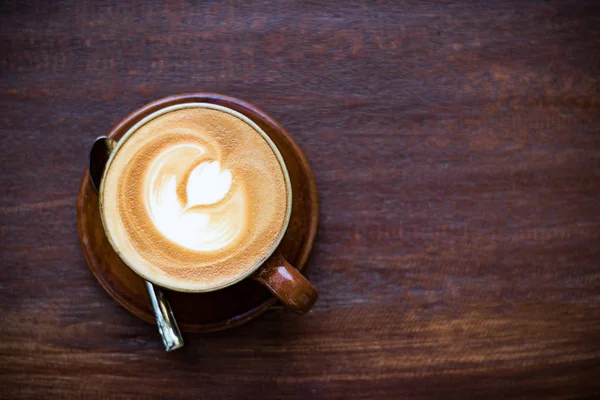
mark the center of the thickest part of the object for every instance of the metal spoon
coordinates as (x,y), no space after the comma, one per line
(167,325)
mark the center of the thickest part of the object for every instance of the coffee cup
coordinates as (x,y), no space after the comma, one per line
(196,197)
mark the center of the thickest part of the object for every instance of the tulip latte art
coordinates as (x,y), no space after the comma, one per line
(194,199)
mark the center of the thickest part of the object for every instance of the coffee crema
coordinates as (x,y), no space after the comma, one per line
(194,199)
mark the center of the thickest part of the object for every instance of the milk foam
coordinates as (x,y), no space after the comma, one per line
(192,224)
(194,199)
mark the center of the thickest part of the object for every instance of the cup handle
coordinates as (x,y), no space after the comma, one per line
(285,282)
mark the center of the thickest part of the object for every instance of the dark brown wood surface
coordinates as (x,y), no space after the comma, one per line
(456,150)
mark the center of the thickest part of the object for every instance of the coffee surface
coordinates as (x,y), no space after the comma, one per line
(194,199)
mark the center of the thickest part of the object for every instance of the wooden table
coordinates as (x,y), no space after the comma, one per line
(456,148)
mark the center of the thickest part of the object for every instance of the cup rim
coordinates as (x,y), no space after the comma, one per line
(131,131)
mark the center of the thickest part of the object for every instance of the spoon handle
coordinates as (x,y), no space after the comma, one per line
(167,326)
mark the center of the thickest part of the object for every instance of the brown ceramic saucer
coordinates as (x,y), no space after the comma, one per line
(225,308)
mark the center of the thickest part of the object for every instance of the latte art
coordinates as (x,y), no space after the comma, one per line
(194,199)
(211,218)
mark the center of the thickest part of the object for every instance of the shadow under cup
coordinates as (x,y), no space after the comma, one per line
(272,270)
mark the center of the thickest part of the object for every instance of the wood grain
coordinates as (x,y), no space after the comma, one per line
(456,150)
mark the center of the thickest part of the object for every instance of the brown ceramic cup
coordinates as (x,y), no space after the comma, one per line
(272,270)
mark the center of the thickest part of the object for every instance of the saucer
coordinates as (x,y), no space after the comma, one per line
(224,308)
